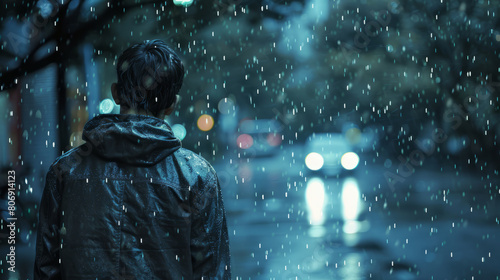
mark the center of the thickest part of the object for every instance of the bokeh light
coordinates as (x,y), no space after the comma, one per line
(274,139)
(106,106)
(226,106)
(353,135)
(205,122)
(244,141)
(179,131)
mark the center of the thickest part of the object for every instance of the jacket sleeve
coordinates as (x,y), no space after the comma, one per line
(47,264)
(209,236)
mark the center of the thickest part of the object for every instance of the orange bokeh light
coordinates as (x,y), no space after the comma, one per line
(205,122)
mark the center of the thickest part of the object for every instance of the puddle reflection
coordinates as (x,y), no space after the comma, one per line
(352,207)
(316,200)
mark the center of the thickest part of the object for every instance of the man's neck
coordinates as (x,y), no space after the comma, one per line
(131,111)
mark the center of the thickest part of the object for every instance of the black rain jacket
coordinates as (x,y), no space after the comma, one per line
(131,203)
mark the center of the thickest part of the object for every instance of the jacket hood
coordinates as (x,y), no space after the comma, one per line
(133,139)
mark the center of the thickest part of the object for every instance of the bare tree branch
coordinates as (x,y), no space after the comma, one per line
(61,35)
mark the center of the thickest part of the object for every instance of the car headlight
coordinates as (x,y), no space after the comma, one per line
(314,161)
(349,160)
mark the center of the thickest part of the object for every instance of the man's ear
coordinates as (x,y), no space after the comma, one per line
(114,93)
(171,109)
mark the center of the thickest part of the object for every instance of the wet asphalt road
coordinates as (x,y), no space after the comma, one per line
(287,223)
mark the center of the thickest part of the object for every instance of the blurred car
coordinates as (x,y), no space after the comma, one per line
(259,137)
(362,140)
(330,154)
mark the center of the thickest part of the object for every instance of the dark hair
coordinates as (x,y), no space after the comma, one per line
(150,74)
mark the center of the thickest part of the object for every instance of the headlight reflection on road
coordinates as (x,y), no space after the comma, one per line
(351,207)
(351,268)
(350,199)
(316,200)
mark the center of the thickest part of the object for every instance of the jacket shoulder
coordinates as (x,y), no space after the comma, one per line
(68,161)
(195,162)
